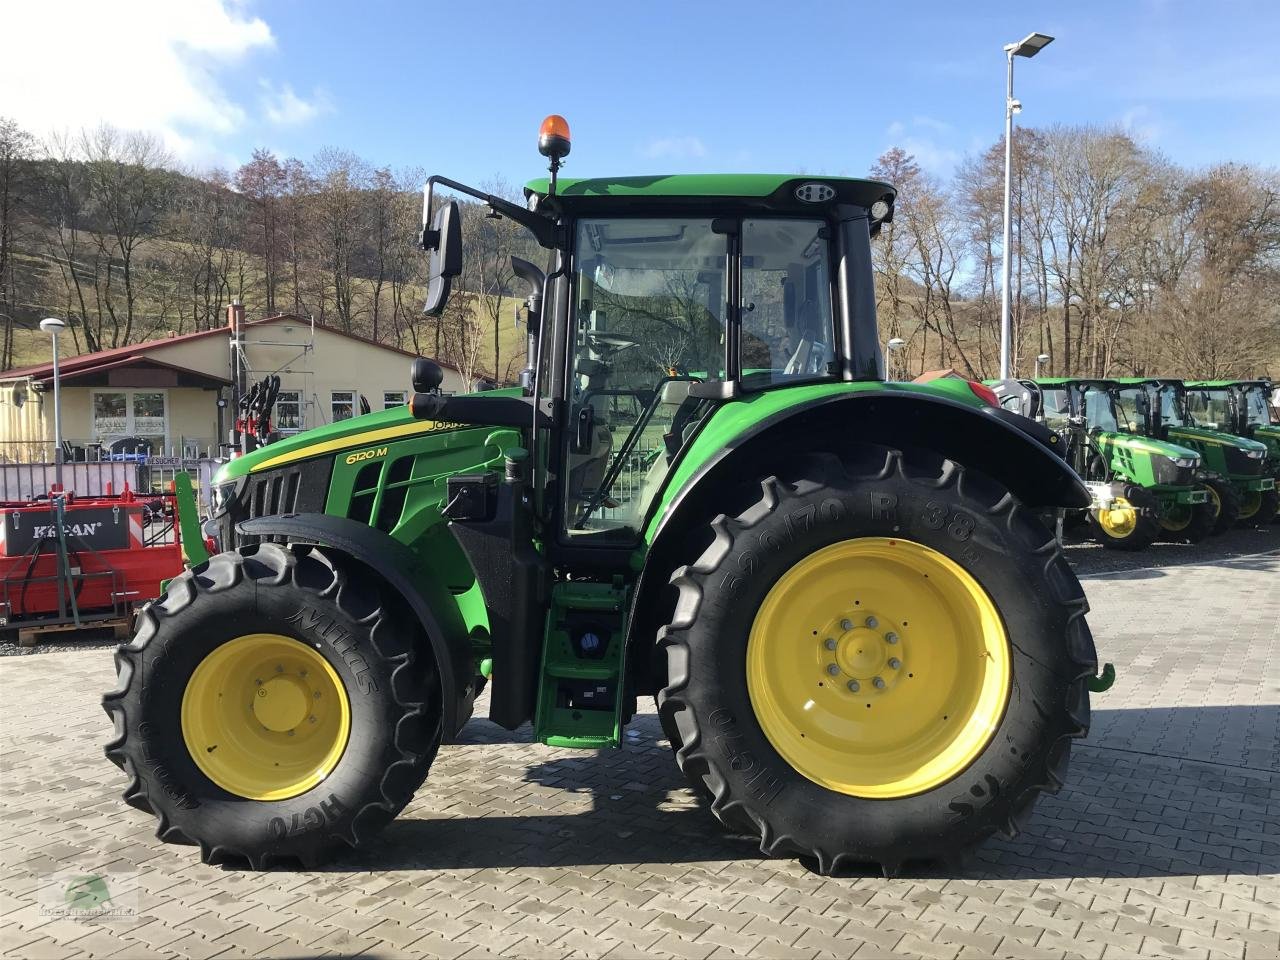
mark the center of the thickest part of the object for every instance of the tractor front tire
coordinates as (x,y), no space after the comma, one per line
(1131,524)
(274,707)
(1225,501)
(1189,523)
(882,660)
(1258,508)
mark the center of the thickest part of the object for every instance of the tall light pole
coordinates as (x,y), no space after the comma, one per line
(54,326)
(1029,46)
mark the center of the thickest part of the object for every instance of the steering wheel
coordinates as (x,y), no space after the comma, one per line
(608,342)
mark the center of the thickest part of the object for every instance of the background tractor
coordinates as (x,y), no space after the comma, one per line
(863,644)
(1142,490)
(1240,408)
(1236,475)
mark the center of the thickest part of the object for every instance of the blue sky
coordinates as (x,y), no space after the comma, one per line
(459,88)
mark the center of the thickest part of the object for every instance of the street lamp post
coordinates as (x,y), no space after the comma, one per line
(1029,46)
(1043,358)
(54,326)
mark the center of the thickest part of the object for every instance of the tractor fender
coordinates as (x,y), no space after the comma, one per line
(399,567)
(1022,454)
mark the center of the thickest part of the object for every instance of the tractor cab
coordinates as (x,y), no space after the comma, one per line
(1241,482)
(1239,407)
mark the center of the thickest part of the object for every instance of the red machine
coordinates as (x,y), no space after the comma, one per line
(112,553)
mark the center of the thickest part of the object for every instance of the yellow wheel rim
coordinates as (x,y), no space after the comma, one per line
(878,667)
(1215,500)
(265,717)
(1120,521)
(1250,504)
(1179,518)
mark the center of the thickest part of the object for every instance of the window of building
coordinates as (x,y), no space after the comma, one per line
(288,412)
(131,418)
(392,398)
(343,404)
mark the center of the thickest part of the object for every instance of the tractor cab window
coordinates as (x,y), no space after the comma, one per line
(1170,407)
(1257,413)
(1099,410)
(648,322)
(1057,410)
(1129,405)
(787,327)
(1209,408)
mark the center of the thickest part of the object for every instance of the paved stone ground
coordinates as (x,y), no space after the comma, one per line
(1166,841)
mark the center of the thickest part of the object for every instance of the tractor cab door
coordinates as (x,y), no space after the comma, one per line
(647,323)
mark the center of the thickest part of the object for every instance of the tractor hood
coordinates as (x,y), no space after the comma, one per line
(1159,448)
(332,439)
(1214,437)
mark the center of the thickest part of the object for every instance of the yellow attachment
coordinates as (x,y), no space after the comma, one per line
(1120,521)
(265,717)
(878,667)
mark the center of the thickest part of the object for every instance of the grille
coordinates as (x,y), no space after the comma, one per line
(297,489)
(1167,472)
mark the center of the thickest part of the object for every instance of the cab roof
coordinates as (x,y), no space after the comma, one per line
(770,191)
(1259,382)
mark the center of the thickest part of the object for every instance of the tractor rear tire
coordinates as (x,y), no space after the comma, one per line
(1258,508)
(1134,526)
(274,707)
(876,510)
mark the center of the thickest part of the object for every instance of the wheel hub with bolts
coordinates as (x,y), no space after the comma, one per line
(865,651)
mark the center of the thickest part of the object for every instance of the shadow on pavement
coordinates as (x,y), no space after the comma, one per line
(1126,810)
(1249,549)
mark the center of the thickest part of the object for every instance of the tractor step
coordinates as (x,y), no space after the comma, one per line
(581,690)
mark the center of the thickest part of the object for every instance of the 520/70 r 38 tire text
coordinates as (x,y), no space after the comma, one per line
(274,707)
(884,659)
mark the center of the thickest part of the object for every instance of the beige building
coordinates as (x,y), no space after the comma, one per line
(177,395)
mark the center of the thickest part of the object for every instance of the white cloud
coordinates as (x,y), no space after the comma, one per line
(675,148)
(285,108)
(149,65)
(1141,123)
(929,152)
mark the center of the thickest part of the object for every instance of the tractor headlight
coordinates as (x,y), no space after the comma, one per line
(1255,454)
(1185,462)
(222,496)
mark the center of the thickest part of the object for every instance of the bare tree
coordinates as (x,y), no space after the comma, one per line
(17,151)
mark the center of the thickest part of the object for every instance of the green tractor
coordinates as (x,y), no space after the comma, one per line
(1143,490)
(1237,478)
(1241,408)
(863,643)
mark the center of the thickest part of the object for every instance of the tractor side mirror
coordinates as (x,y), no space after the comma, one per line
(444,243)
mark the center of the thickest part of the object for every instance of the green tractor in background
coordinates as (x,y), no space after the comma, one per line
(1142,490)
(863,643)
(1240,408)
(1237,477)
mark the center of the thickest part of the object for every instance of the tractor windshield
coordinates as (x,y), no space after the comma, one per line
(1129,410)
(1257,413)
(1099,409)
